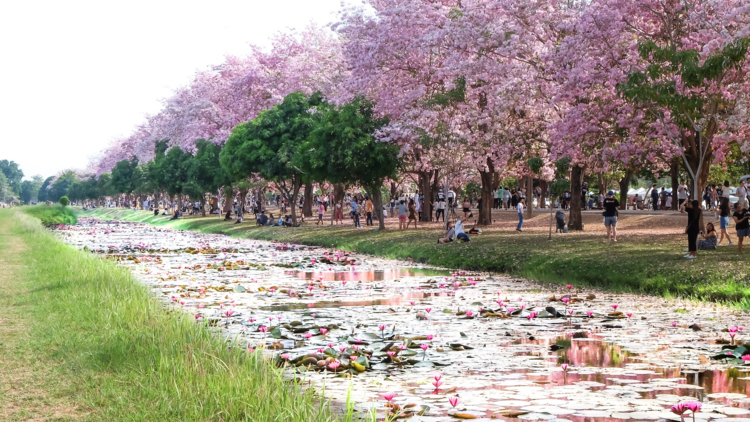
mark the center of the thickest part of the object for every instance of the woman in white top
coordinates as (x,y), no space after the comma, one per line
(520,207)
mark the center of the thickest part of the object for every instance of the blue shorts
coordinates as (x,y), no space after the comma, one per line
(610,221)
(724,222)
(464,237)
(743,232)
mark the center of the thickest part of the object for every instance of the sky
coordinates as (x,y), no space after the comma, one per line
(75,75)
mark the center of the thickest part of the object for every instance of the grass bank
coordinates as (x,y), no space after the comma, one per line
(52,214)
(112,352)
(648,262)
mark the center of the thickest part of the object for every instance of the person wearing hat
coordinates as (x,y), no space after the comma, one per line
(610,215)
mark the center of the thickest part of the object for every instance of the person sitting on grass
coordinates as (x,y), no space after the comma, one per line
(709,240)
(262,220)
(177,214)
(461,235)
(449,235)
(271,220)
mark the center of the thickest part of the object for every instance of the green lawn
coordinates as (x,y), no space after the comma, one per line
(644,263)
(83,340)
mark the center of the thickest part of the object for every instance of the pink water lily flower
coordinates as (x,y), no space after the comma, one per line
(389,396)
(323,330)
(429,336)
(262,328)
(674,323)
(564,367)
(589,313)
(285,356)
(428,310)
(424,346)
(454,401)
(390,353)
(333,365)
(565,300)
(615,307)
(308,335)
(510,310)
(411,303)
(437,383)
(569,286)
(469,313)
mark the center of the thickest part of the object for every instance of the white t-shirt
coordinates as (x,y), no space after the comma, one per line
(741,192)
(682,192)
(520,207)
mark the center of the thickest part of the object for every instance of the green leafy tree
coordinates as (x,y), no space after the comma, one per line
(204,172)
(30,189)
(122,176)
(44,190)
(343,150)
(61,185)
(64,201)
(267,145)
(13,175)
(173,168)
(5,194)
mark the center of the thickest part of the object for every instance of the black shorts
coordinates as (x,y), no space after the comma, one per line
(467,210)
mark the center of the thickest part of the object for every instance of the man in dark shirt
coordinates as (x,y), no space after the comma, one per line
(610,215)
(655,197)
(263,219)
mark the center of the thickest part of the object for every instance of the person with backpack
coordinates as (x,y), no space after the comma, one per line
(610,215)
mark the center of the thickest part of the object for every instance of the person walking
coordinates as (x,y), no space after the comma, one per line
(694,211)
(610,215)
(338,212)
(724,211)
(466,207)
(682,193)
(412,214)
(520,207)
(506,197)
(439,210)
(742,224)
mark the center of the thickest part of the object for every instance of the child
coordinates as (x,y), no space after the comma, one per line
(560,218)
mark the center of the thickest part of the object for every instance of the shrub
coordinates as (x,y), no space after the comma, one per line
(64,201)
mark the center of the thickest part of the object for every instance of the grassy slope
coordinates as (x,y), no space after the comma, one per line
(649,264)
(122,356)
(55,214)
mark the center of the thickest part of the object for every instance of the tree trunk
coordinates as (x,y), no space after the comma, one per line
(425,180)
(543,200)
(377,204)
(529,196)
(624,185)
(393,189)
(485,210)
(674,173)
(576,180)
(203,205)
(602,187)
(308,200)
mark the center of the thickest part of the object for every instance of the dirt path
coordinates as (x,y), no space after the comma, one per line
(30,390)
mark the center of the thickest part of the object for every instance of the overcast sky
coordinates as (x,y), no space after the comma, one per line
(75,75)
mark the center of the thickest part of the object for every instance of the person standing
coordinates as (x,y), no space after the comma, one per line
(393,206)
(368,210)
(610,215)
(742,195)
(500,198)
(321,211)
(520,207)
(506,197)
(724,212)
(402,213)
(682,193)
(439,210)
(655,197)
(742,224)
(466,207)
(694,211)
(496,200)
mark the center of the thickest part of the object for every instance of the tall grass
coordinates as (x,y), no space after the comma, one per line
(137,361)
(52,214)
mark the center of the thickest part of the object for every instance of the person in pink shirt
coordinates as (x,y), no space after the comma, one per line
(321,211)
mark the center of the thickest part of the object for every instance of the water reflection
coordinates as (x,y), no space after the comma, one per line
(374,275)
